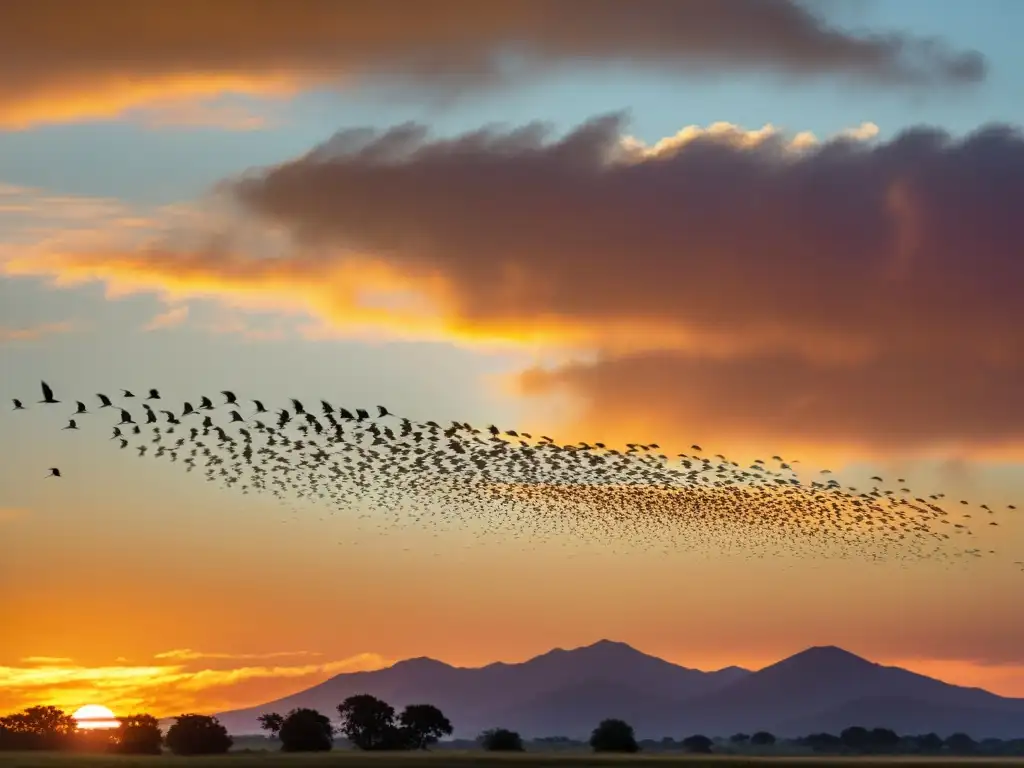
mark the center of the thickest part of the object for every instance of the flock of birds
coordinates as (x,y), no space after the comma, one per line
(428,473)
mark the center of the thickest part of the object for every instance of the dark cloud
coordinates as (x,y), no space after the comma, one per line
(846,292)
(61,60)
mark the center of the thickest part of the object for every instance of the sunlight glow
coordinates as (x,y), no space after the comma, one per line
(95,717)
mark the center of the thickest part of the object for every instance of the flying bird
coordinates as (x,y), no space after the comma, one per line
(47,394)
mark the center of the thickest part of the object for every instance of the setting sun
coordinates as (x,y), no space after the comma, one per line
(95,717)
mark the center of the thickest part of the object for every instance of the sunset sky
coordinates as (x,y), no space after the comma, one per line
(761,226)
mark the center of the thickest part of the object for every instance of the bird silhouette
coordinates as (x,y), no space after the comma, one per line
(54,472)
(48,397)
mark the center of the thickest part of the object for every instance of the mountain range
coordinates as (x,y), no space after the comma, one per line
(567,692)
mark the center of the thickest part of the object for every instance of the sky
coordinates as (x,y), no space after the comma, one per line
(762,226)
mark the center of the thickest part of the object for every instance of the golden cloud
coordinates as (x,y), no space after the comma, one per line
(163,689)
(731,286)
(102,58)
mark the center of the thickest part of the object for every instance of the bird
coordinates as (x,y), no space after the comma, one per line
(229,398)
(48,394)
(104,401)
(81,408)
(382,412)
(126,393)
(54,472)
(126,418)
(154,394)
(17,405)
(72,424)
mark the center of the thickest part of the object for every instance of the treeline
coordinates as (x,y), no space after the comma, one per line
(369,723)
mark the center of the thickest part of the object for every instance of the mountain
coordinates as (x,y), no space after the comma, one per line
(595,677)
(567,692)
(828,686)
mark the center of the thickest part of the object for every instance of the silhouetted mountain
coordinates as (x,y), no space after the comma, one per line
(474,697)
(567,692)
(829,684)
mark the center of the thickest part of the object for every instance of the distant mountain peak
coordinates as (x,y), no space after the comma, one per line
(421,662)
(829,652)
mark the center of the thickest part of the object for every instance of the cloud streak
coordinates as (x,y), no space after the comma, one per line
(164,689)
(109,56)
(721,285)
(34,332)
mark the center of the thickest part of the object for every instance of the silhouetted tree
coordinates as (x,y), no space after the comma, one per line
(929,742)
(46,728)
(856,738)
(961,744)
(198,735)
(306,730)
(501,740)
(883,740)
(762,739)
(823,742)
(271,722)
(698,743)
(423,725)
(614,736)
(369,723)
(739,738)
(138,735)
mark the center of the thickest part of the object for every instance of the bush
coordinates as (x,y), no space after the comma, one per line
(501,740)
(614,736)
(198,735)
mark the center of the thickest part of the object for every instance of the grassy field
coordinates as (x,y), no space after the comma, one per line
(347,759)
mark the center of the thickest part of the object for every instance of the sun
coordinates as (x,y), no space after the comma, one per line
(94,717)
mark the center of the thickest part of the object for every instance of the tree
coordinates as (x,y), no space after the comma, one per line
(369,722)
(856,738)
(424,724)
(614,736)
(306,730)
(884,740)
(138,735)
(739,739)
(698,743)
(762,739)
(823,742)
(961,744)
(271,722)
(45,728)
(929,742)
(198,735)
(501,740)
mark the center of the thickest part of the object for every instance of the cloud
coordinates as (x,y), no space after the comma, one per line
(187,654)
(185,113)
(172,318)
(34,332)
(110,56)
(163,689)
(47,660)
(722,285)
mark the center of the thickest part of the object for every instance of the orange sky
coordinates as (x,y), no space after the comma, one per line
(566,248)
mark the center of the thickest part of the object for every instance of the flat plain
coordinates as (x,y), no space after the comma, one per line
(351,759)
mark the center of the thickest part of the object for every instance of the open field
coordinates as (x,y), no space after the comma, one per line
(347,759)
